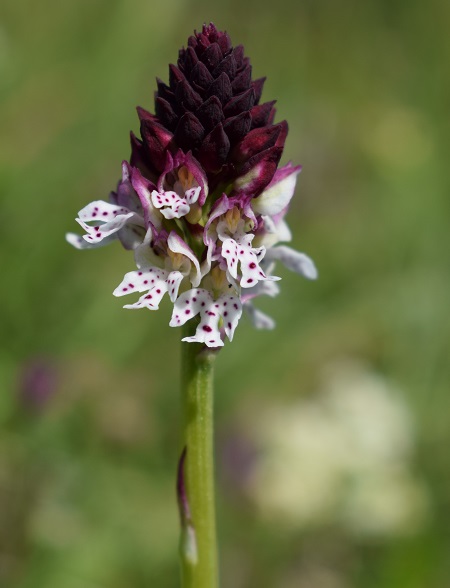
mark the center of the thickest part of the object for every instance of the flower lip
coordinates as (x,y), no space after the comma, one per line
(181,173)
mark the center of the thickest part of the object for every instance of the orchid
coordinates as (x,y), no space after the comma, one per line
(202,200)
(155,223)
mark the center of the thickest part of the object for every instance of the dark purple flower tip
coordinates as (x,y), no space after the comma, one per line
(256,141)
(214,150)
(238,126)
(261,114)
(209,107)
(156,141)
(189,132)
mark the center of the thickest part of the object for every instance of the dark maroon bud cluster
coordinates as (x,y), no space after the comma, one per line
(211,107)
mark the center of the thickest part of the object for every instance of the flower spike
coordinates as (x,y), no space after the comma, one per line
(202,200)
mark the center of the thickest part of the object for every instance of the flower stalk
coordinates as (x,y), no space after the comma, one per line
(198,546)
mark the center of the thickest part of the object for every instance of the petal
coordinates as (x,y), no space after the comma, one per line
(131,236)
(192,195)
(140,281)
(208,331)
(78,242)
(189,305)
(143,189)
(283,231)
(294,260)
(171,205)
(177,245)
(174,280)
(100,232)
(126,195)
(231,311)
(154,282)
(230,254)
(211,311)
(269,225)
(144,256)
(259,319)
(265,288)
(197,171)
(251,272)
(221,206)
(101,211)
(150,299)
(258,172)
(278,193)
(249,259)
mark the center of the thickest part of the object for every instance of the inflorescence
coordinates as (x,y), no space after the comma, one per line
(202,201)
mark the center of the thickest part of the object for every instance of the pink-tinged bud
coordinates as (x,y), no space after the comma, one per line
(258,171)
(156,140)
(260,114)
(256,141)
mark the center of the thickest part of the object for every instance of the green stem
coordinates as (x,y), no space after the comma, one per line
(198,549)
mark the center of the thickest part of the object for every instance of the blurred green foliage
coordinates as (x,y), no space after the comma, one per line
(87,478)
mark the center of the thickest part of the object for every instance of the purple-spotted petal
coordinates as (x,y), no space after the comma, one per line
(208,331)
(189,305)
(172,205)
(231,310)
(174,280)
(199,301)
(109,218)
(140,281)
(79,242)
(150,299)
(155,282)
(249,259)
(101,211)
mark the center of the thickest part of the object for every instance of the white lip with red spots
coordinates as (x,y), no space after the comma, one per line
(106,220)
(226,309)
(174,206)
(240,250)
(155,282)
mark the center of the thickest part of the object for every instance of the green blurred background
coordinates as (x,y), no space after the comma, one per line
(333,431)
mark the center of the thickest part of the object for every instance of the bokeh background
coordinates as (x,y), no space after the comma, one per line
(333,431)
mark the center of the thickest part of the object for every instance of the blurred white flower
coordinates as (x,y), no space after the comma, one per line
(343,456)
